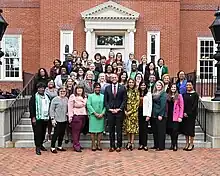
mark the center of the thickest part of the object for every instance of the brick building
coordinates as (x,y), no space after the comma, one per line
(41,30)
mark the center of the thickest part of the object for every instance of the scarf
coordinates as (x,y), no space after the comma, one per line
(42,106)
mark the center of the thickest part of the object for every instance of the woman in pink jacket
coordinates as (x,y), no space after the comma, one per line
(77,115)
(175,107)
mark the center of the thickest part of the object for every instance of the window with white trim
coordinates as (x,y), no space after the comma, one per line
(206,63)
(11,68)
(153,46)
(66,43)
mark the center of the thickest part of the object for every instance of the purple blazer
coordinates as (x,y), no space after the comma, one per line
(178,108)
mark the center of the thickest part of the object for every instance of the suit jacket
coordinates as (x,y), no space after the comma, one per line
(140,68)
(117,102)
(65,64)
(164,71)
(87,88)
(159,105)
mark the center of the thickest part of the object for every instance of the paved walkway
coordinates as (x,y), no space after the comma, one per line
(23,162)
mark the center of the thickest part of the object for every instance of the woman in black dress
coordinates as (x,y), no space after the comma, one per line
(191,99)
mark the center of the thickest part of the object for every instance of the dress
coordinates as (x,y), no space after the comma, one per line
(95,103)
(131,121)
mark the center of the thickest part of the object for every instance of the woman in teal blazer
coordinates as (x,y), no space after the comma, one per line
(161,69)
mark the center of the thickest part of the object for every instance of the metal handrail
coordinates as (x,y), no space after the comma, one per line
(202,117)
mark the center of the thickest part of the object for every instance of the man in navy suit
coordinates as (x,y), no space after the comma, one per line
(115,97)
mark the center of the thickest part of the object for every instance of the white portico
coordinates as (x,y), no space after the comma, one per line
(110,26)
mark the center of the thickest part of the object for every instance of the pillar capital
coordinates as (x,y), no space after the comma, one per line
(131,30)
(88,30)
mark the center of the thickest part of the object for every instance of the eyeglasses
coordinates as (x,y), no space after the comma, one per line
(62,91)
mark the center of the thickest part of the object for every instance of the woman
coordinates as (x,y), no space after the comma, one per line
(150,70)
(51,91)
(102,82)
(95,73)
(111,58)
(70,84)
(88,82)
(138,78)
(123,78)
(174,108)
(55,70)
(77,114)
(131,112)
(144,114)
(108,73)
(80,74)
(98,64)
(142,66)
(161,69)
(42,76)
(61,79)
(58,111)
(84,57)
(158,116)
(181,82)
(118,59)
(191,99)
(166,81)
(114,66)
(96,111)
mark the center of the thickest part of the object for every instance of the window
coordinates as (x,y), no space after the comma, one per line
(110,40)
(66,43)
(206,62)
(11,68)
(153,46)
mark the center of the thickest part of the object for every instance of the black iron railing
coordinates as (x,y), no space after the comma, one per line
(19,106)
(201,118)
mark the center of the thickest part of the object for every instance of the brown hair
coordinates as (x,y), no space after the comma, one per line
(80,87)
(128,83)
(169,96)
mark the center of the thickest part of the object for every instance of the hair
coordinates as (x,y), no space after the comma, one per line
(169,96)
(38,73)
(139,88)
(41,85)
(106,66)
(178,75)
(119,77)
(117,56)
(77,70)
(96,84)
(111,52)
(165,76)
(160,60)
(86,54)
(128,83)
(79,87)
(148,69)
(68,80)
(190,81)
(134,62)
(58,60)
(155,87)
(131,54)
(97,54)
(51,80)
(89,72)
(58,91)
(100,74)
(143,56)
(103,57)
(139,73)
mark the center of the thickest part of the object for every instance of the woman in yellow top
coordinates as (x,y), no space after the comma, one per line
(131,113)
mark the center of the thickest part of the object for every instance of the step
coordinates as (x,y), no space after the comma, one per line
(105,144)
(30,136)
(26,115)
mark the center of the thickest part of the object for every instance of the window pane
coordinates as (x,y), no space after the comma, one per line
(110,40)
(153,44)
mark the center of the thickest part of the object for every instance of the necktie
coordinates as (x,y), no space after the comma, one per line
(115,91)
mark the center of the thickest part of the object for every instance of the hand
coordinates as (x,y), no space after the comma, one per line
(160,118)
(147,118)
(33,120)
(70,120)
(185,115)
(101,115)
(54,122)
(96,114)
(117,110)
(179,119)
(126,113)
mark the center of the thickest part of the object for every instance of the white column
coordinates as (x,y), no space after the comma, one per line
(88,39)
(131,39)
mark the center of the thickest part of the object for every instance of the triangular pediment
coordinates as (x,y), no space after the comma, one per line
(110,10)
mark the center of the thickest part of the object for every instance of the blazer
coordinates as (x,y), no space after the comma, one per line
(65,64)
(87,88)
(140,68)
(117,102)
(159,105)
(147,105)
(53,72)
(178,108)
(164,71)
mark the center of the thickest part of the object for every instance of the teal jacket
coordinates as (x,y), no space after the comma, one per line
(159,106)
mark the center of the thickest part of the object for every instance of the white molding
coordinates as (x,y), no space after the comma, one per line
(62,51)
(157,45)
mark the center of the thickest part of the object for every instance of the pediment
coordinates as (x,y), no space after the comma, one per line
(110,10)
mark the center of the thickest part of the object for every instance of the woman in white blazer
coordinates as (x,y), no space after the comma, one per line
(144,114)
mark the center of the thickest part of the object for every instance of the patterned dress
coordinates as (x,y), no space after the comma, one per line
(131,121)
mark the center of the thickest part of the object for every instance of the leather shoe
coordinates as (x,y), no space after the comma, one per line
(158,149)
(42,148)
(61,149)
(153,147)
(38,152)
(111,150)
(53,151)
(118,149)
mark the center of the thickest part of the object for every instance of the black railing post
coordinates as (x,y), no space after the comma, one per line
(11,121)
(205,125)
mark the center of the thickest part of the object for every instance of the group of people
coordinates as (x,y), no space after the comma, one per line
(109,94)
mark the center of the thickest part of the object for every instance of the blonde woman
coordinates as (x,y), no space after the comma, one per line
(167,82)
(142,66)
(88,82)
(158,116)
(102,82)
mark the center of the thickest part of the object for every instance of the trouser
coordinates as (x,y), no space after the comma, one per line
(39,129)
(159,132)
(115,120)
(174,133)
(59,131)
(143,127)
(78,123)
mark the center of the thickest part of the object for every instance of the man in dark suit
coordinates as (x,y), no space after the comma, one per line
(115,98)
(69,63)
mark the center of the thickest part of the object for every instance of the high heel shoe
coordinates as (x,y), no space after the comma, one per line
(190,148)
(186,147)
(175,148)
(145,148)
(132,146)
(128,146)
(171,147)
(141,147)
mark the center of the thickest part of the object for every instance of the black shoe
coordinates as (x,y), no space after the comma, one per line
(78,150)
(140,147)
(146,148)
(118,149)
(186,147)
(128,146)
(111,149)
(132,146)
(153,148)
(190,148)
(66,141)
(61,150)
(81,147)
(38,152)
(158,149)
(98,148)
(175,148)
(42,148)
(53,151)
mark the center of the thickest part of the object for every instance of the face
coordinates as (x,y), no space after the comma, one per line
(152,78)
(84,54)
(97,89)
(114,65)
(173,88)
(79,91)
(78,60)
(89,76)
(134,67)
(189,86)
(41,90)
(69,58)
(123,76)
(56,63)
(50,84)
(62,92)
(181,75)
(74,76)
(109,69)
(111,55)
(119,70)
(103,61)
(63,71)
(131,84)
(119,57)
(131,56)
(92,67)
(161,62)
(75,53)
(89,61)
(42,72)
(102,77)
(143,86)
(144,59)
(97,58)
(69,82)
(166,79)
(80,72)
(138,77)
(151,66)
(159,86)
(114,78)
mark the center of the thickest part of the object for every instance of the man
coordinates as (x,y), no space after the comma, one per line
(115,98)
(69,63)
(39,114)
(134,70)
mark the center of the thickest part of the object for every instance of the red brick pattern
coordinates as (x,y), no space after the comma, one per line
(200,162)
